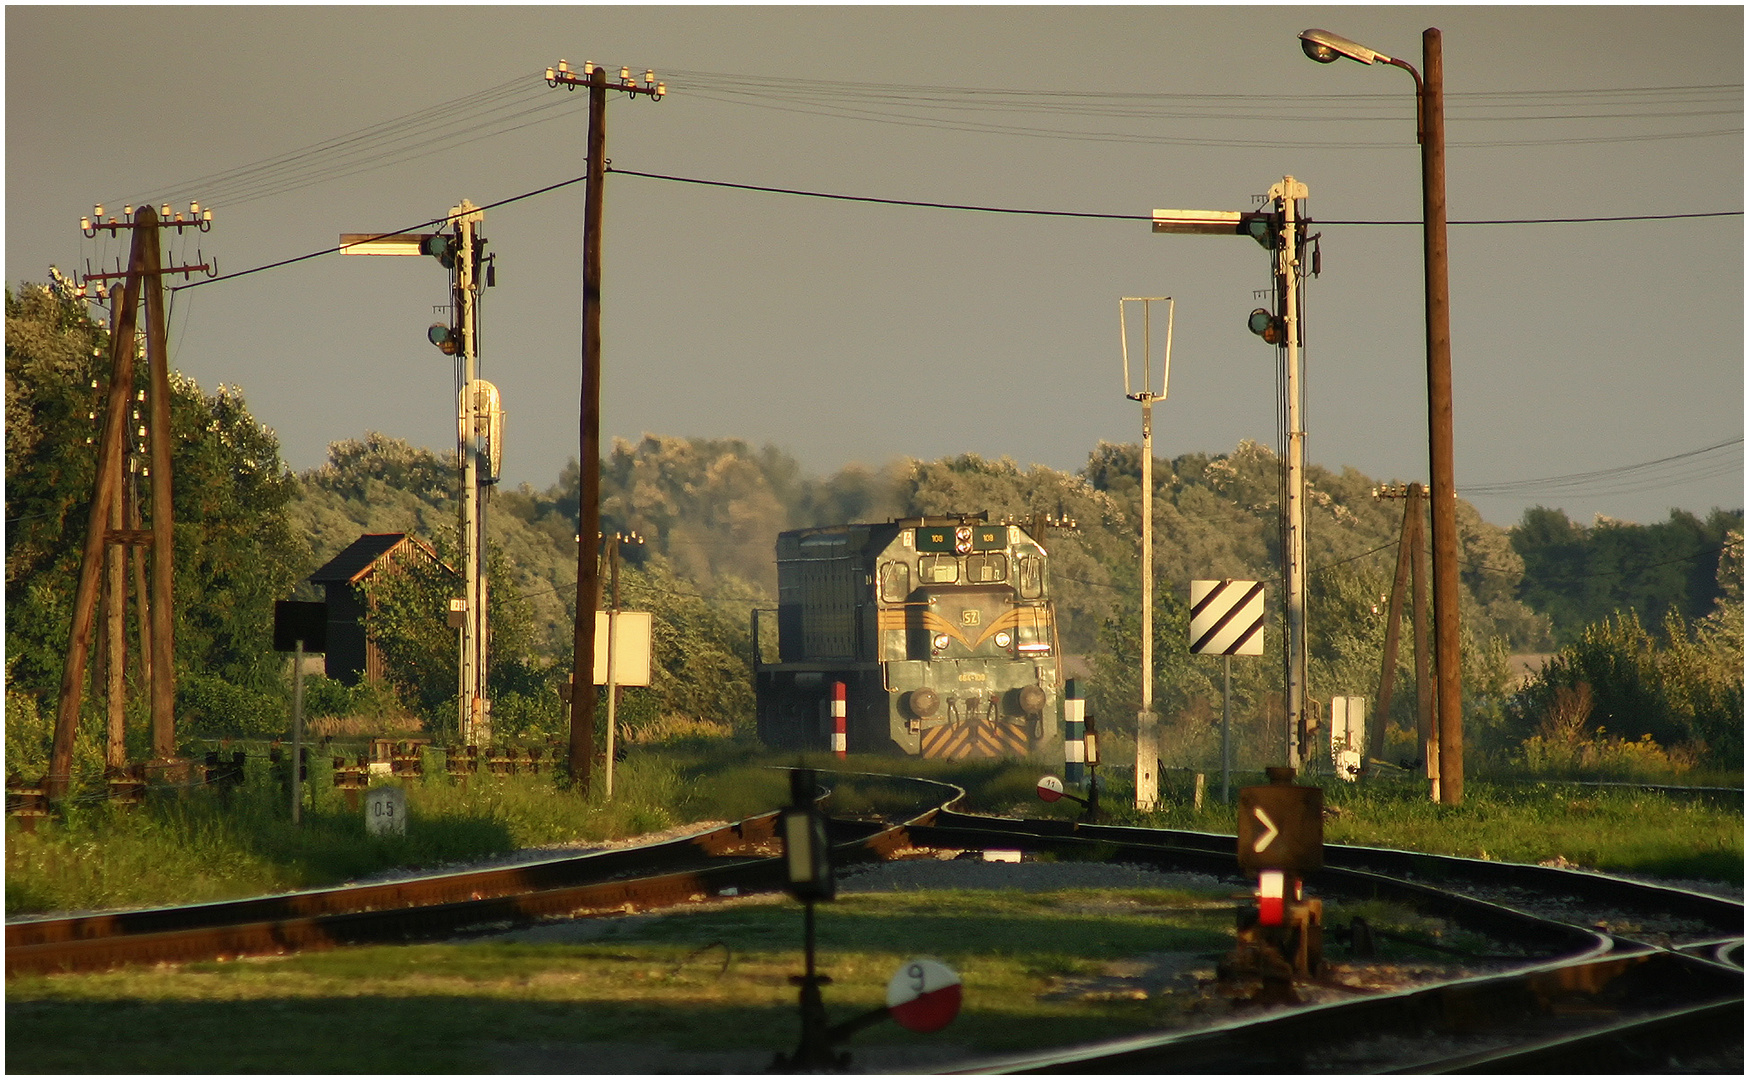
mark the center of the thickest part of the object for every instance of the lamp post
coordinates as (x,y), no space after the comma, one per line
(1326,48)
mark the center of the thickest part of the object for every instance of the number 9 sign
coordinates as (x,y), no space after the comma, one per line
(924,995)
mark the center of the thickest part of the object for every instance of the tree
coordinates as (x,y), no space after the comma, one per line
(407,620)
(235,552)
(1580,576)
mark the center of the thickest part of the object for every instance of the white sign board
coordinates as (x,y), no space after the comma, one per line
(1226,618)
(1347,735)
(385,811)
(631,651)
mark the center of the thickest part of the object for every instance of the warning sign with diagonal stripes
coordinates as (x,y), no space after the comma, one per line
(1226,618)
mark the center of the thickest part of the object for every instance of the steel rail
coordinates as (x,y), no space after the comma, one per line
(702,867)
(1496,920)
(1723,915)
(1333,1038)
(1647,1044)
(429,889)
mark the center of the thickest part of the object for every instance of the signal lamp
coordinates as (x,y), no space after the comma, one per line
(1271,328)
(807,852)
(442,247)
(1002,639)
(940,642)
(1265,228)
(444,338)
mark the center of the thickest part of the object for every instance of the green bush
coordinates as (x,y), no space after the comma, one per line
(1686,693)
(207,706)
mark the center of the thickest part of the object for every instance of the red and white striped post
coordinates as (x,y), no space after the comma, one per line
(840,741)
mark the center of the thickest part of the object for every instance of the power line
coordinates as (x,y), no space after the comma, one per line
(973,207)
(1570,481)
(520,102)
(408,229)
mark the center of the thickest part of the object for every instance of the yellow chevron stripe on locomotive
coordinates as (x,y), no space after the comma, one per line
(976,739)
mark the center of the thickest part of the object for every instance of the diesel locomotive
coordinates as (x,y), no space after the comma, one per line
(940,629)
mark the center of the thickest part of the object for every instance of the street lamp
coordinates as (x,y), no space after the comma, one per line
(1327,48)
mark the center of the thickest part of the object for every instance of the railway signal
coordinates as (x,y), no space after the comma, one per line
(1271,328)
(297,626)
(1281,838)
(1281,229)
(479,424)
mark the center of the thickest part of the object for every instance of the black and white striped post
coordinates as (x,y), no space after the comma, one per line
(1074,733)
(1226,620)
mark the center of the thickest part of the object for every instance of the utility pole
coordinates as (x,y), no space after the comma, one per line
(1147,730)
(1411,564)
(141,284)
(479,434)
(1326,48)
(589,420)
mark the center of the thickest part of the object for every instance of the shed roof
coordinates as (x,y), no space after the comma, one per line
(363,555)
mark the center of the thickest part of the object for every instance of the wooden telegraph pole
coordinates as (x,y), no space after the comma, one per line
(589,425)
(140,285)
(1411,564)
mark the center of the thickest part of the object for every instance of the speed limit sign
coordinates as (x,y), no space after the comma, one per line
(924,995)
(1050,789)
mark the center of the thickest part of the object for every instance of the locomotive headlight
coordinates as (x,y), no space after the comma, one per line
(1004,639)
(940,642)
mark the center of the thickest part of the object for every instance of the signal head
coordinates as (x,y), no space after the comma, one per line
(1271,328)
(444,338)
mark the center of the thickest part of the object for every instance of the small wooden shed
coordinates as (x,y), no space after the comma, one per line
(350,653)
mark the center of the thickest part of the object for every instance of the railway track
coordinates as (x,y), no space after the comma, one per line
(1597,1001)
(734,859)
(1658,973)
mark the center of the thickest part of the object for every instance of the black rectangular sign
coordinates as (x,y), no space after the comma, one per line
(1281,827)
(300,619)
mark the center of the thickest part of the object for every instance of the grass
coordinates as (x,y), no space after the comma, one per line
(447,1008)
(1622,830)
(209,846)
(204,847)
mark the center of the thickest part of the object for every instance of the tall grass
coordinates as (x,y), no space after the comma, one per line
(205,844)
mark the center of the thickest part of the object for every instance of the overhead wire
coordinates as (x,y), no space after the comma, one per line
(525,100)
(1690,465)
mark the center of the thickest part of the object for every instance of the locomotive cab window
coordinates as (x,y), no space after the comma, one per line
(1032,632)
(985,569)
(895,582)
(938,569)
(1032,576)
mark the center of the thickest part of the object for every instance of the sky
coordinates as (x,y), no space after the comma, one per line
(861,332)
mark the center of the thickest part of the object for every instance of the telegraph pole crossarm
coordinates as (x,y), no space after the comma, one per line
(582,742)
